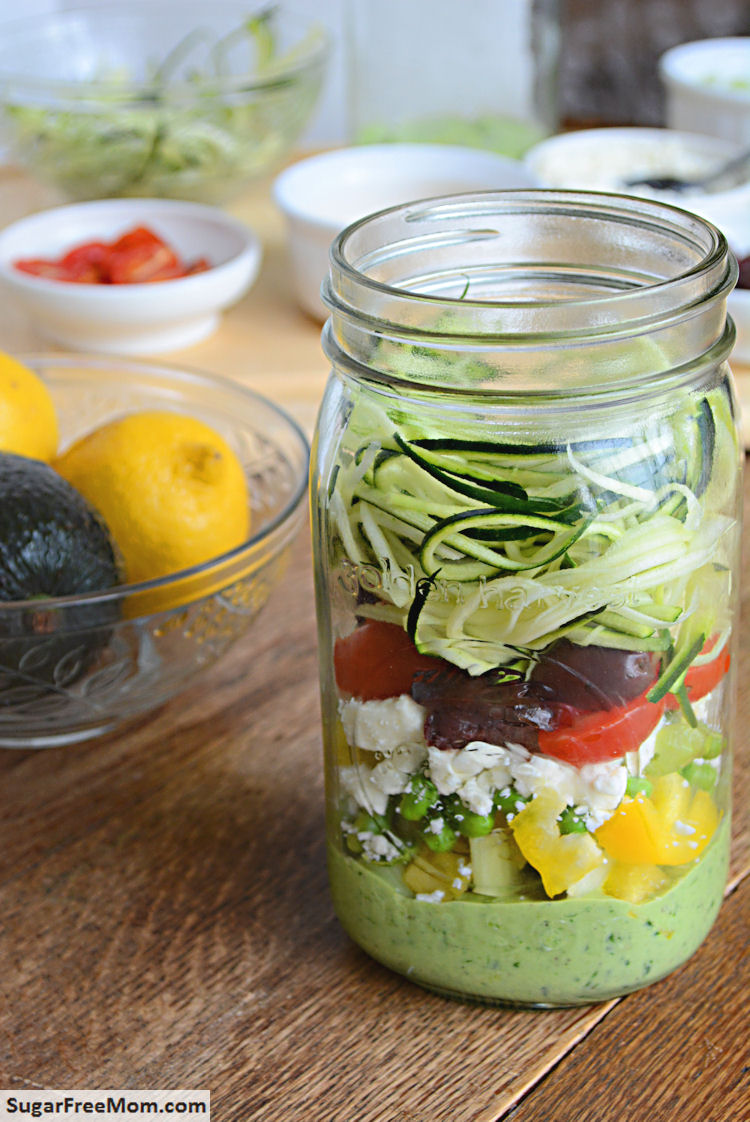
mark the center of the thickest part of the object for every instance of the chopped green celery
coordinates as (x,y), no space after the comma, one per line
(677,745)
(496,863)
(638,785)
(703,775)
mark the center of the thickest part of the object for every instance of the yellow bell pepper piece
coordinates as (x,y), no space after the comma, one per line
(671,797)
(560,859)
(428,872)
(634,834)
(634,883)
(671,827)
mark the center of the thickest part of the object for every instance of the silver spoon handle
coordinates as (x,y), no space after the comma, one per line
(733,165)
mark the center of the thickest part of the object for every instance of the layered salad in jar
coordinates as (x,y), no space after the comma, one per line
(529,769)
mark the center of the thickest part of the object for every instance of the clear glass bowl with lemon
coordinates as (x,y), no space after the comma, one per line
(146,512)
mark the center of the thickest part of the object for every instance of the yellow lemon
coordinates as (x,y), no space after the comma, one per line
(171,490)
(28,421)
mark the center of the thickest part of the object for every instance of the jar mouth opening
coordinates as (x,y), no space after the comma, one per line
(471,265)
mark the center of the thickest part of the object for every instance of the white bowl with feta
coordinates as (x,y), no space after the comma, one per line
(610,159)
(707,87)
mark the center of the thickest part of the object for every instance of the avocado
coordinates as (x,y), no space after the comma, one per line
(52,543)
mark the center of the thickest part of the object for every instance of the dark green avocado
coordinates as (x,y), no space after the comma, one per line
(52,543)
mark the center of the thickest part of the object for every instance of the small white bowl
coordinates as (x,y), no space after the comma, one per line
(707,87)
(130,319)
(322,194)
(605,159)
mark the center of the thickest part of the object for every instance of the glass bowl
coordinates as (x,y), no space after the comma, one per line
(74,667)
(155,98)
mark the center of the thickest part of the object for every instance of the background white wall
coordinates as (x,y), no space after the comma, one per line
(608,61)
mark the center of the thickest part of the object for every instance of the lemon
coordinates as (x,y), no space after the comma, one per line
(28,421)
(170,489)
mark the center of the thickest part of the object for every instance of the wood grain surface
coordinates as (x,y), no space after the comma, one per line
(164,914)
(165,922)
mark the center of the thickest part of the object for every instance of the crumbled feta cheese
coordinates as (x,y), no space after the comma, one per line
(543,771)
(356,782)
(684,828)
(477,771)
(601,790)
(638,761)
(377,847)
(370,787)
(477,793)
(382,726)
(394,774)
(435,897)
(394,729)
(435,825)
(474,772)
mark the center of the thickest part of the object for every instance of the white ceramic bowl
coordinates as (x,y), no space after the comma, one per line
(322,194)
(707,87)
(605,159)
(130,319)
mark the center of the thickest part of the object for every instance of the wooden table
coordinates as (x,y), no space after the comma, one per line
(164,915)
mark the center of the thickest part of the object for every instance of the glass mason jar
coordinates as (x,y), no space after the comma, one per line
(526,534)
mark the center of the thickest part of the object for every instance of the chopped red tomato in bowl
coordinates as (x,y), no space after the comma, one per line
(138,256)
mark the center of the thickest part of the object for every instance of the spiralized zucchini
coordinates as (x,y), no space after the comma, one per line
(490,550)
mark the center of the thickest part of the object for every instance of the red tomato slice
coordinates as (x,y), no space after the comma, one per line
(608,734)
(700,680)
(86,264)
(378,660)
(198,266)
(38,267)
(140,256)
(138,236)
(137,257)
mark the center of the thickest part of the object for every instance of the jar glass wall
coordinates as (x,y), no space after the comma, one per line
(526,531)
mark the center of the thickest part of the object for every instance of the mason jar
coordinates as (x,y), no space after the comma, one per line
(526,507)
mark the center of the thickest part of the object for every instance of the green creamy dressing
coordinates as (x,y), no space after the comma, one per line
(529,951)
